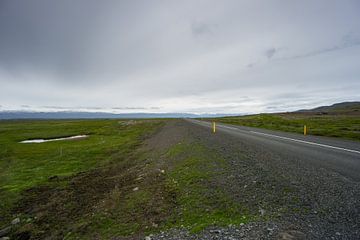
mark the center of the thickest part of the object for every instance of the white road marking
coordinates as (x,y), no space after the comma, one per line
(312,143)
(229,127)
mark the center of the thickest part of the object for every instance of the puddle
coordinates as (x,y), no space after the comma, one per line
(54,139)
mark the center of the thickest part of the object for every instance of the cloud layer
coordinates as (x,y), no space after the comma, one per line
(178,56)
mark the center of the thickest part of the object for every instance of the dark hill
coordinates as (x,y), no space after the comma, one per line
(344,107)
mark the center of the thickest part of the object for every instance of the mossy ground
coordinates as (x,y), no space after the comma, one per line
(29,171)
(108,184)
(201,201)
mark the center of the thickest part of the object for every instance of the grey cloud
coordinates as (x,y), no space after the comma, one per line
(176,55)
(89,108)
(128,108)
(250,65)
(270,52)
(71,107)
(92,108)
(64,39)
(53,107)
(135,108)
(348,41)
(199,28)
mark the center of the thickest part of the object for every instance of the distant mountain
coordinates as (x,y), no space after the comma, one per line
(336,108)
(99,115)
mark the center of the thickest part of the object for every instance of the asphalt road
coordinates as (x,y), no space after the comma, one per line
(341,156)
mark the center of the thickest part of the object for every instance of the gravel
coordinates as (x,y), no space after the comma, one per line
(255,230)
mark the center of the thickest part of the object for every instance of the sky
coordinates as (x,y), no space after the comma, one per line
(191,56)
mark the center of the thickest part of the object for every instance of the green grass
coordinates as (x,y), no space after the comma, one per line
(343,126)
(202,202)
(129,213)
(187,196)
(23,166)
(101,201)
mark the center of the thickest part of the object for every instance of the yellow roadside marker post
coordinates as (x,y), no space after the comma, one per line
(305,130)
(214,127)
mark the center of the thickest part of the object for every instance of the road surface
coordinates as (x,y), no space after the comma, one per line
(341,156)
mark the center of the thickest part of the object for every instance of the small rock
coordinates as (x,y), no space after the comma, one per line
(215,231)
(292,235)
(25,235)
(5,231)
(262,212)
(270,230)
(135,189)
(147,238)
(286,236)
(162,171)
(338,234)
(15,221)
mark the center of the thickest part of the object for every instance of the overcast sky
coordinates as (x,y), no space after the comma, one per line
(178,56)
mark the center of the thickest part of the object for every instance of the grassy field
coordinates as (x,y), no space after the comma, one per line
(30,166)
(129,178)
(108,184)
(336,125)
(111,184)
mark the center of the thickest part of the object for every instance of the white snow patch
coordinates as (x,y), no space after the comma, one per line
(54,139)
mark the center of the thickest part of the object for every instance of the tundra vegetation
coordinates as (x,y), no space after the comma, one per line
(132,178)
(112,183)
